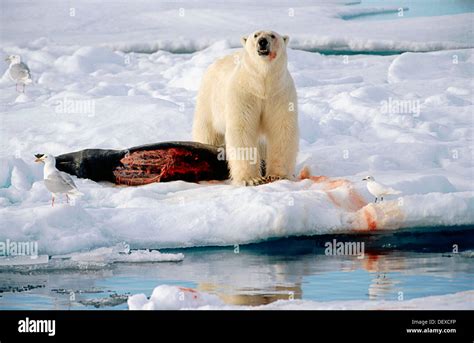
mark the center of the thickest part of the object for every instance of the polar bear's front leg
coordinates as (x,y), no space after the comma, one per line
(281,129)
(242,137)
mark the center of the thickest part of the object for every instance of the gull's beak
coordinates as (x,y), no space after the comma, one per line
(39,158)
(364,179)
(7,59)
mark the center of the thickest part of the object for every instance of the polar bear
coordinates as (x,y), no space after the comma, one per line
(248,98)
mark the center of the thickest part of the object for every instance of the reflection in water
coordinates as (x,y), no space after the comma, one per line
(382,285)
(254,296)
(258,274)
(385,276)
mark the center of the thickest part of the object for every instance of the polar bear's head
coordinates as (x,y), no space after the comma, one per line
(266,46)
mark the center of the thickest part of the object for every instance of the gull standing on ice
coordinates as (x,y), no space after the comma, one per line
(57,182)
(18,71)
(377,189)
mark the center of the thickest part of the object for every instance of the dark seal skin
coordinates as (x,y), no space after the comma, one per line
(159,162)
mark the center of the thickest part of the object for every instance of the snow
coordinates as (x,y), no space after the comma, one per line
(165,297)
(409,66)
(146,26)
(88,94)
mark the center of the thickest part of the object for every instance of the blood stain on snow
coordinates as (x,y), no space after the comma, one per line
(187,289)
(343,195)
(371,223)
(190,290)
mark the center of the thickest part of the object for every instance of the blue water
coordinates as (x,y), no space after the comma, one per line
(412,8)
(408,264)
(416,8)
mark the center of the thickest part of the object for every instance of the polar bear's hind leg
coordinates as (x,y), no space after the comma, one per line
(203,129)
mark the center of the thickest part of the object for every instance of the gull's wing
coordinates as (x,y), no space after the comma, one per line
(24,66)
(393,191)
(382,189)
(19,71)
(67,178)
(59,182)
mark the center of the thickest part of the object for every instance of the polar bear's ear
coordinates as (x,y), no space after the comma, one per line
(243,40)
(286,39)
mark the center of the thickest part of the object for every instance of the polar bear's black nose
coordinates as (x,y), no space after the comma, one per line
(262,43)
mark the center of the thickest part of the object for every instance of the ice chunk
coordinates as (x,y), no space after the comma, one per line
(6,261)
(167,297)
(121,253)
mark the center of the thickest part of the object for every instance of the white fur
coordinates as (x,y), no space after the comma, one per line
(245,97)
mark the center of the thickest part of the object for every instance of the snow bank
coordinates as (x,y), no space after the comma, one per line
(166,297)
(87,60)
(181,215)
(409,66)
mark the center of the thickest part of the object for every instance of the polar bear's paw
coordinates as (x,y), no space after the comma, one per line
(255,181)
(273,178)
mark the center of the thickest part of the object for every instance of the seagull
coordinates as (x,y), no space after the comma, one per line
(57,182)
(18,71)
(377,189)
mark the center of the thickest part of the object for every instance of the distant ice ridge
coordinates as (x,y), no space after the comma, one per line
(189,26)
(324,44)
(413,35)
(167,297)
